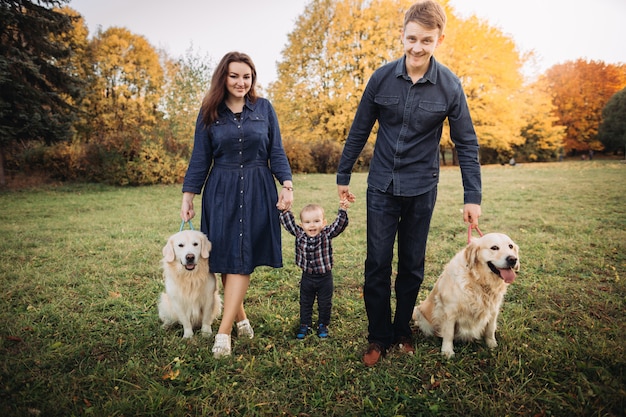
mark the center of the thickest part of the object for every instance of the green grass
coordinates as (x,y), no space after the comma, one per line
(79,331)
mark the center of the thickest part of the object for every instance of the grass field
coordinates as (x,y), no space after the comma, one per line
(79,331)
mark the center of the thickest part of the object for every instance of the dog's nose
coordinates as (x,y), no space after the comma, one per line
(190,258)
(511,260)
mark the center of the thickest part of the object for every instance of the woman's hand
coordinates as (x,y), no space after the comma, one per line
(186,209)
(285,198)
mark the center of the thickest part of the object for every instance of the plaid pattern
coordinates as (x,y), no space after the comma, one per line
(314,254)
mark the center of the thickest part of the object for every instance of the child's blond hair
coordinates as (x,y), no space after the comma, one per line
(312,207)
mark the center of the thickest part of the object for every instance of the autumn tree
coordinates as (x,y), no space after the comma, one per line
(122,104)
(126,86)
(489,66)
(543,136)
(580,90)
(36,87)
(612,131)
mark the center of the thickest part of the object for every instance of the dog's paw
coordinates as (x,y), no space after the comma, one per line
(447,349)
(449,354)
(188,334)
(491,343)
(206,330)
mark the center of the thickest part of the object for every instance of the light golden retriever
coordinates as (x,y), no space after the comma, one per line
(465,301)
(191,295)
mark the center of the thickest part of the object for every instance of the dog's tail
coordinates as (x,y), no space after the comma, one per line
(422,322)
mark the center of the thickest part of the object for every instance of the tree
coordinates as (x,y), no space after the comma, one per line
(489,66)
(543,136)
(125,88)
(612,131)
(580,90)
(187,80)
(36,89)
(122,104)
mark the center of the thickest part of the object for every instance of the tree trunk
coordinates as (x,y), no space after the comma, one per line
(3,178)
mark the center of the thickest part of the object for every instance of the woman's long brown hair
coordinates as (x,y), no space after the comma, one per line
(217,92)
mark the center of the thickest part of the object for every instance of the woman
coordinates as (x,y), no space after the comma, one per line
(237,154)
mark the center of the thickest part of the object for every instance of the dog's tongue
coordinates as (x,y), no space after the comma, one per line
(508,275)
(190,267)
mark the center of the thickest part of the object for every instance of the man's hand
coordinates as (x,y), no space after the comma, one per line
(471,213)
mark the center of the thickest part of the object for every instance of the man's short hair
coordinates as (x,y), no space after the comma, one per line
(427,13)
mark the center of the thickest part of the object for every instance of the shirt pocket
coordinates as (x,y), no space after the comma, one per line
(431,113)
(257,126)
(388,108)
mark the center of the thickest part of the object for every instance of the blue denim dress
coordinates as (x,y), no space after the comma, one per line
(233,164)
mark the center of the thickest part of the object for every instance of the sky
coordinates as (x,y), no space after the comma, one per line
(555,30)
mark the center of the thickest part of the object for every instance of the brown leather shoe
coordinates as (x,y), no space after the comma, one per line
(372,354)
(405,344)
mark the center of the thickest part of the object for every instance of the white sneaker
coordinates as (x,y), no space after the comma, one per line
(244,329)
(221,347)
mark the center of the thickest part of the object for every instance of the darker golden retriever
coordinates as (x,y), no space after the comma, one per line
(465,301)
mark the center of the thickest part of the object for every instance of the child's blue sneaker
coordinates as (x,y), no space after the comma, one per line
(303,331)
(322,331)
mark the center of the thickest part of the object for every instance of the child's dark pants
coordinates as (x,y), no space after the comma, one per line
(313,285)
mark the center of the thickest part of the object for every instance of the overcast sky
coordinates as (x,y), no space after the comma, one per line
(556,30)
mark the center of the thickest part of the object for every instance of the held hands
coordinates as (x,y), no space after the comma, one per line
(285,198)
(344,204)
(345,194)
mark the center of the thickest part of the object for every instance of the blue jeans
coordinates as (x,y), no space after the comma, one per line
(409,219)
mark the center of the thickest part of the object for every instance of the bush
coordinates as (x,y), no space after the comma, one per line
(326,155)
(299,155)
(153,165)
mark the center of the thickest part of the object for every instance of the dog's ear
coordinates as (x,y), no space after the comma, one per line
(517,266)
(168,251)
(205,247)
(471,252)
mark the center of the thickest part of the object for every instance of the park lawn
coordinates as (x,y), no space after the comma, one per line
(80,335)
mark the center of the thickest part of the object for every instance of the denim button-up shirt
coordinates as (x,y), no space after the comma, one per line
(410,118)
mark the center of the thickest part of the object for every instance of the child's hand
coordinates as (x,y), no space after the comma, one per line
(344,204)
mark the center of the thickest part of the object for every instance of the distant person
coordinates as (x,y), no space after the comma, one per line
(314,255)
(237,153)
(410,98)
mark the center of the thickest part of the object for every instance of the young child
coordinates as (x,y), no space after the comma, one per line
(314,255)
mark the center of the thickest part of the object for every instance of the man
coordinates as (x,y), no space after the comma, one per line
(410,98)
